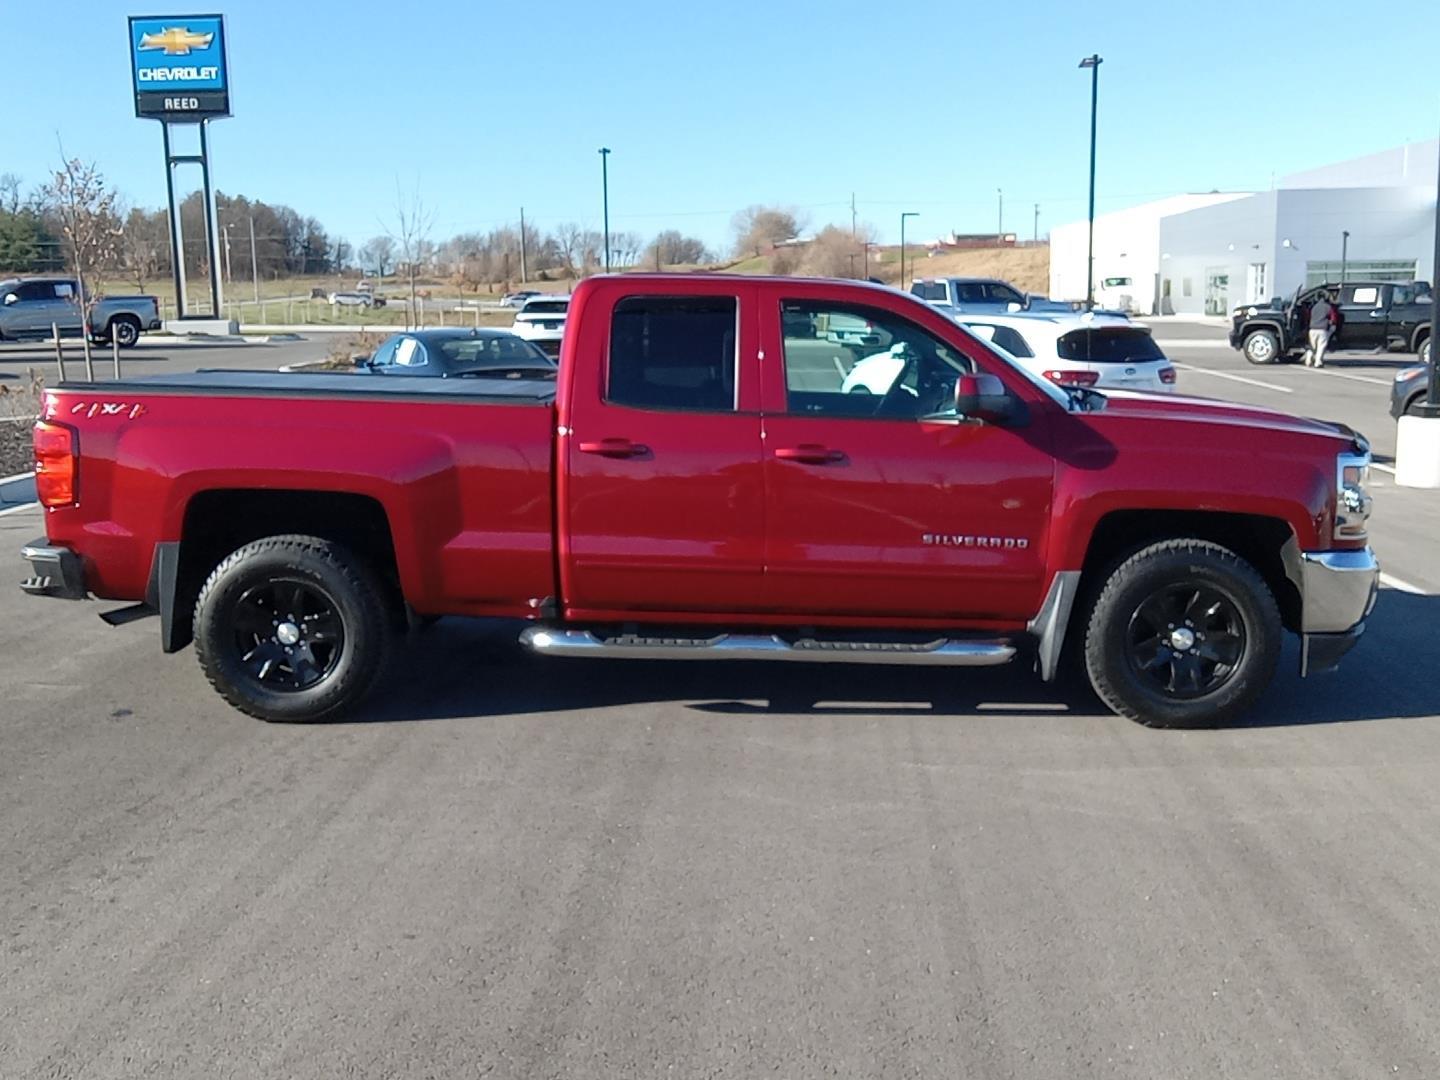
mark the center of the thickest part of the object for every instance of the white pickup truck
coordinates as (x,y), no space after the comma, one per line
(32,309)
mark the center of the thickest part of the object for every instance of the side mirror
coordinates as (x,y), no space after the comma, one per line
(362,360)
(983,397)
(1014,306)
(10,298)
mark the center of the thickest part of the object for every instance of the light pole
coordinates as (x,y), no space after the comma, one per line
(1344,252)
(1000,217)
(605,197)
(1093,63)
(1036,237)
(906,214)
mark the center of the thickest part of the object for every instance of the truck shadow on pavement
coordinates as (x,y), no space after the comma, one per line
(475,669)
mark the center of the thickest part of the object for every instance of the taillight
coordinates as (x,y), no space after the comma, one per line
(55,464)
(1167,376)
(1073,378)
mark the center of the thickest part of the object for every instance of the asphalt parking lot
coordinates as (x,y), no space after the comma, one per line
(517,867)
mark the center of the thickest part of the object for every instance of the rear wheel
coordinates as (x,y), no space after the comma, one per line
(124,331)
(1185,633)
(292,628)
(1262,347)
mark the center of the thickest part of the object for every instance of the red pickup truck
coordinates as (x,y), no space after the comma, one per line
(695,485)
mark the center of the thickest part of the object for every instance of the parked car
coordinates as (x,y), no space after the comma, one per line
(1374,315)
(517,299)
(32,308)
(1407,392)
(455,353)
(351,299)
(688,478)
(1100,351)
(987,295)
(542,320)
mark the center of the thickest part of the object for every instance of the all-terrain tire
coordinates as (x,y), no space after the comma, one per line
(337,592)
(1262,347)
(1141,670)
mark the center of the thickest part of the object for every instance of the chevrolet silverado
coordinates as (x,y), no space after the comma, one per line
(696,485)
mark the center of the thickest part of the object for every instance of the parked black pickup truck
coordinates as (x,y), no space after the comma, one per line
(1374,315)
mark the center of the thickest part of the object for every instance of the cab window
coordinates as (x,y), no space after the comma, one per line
(410,353)
(673,353)
(853,361)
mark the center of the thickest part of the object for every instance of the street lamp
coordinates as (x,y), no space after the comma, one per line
(1093,63)
(1344,252)
(906,214)
(605,197)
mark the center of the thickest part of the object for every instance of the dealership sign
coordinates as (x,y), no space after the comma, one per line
(179,69)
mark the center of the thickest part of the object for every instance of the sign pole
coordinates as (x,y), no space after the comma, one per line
(212,242)
(177,237)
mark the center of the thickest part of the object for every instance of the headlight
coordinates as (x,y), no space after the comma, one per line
(1352,501)
(1409,373)
(1250,312)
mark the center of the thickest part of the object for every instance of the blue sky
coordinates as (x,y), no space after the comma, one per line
(709,107)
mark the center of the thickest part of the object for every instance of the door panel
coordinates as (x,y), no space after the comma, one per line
(1363,312)
(874,510)
(662,506)
(933,520)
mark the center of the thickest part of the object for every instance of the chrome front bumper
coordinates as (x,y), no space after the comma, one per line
(1339,589)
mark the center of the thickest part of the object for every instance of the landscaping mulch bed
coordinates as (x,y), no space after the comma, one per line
(15,451)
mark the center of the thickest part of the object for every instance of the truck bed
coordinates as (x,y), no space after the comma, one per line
(254,383)
(457,471)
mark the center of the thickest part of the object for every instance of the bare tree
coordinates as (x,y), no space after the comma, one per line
(671,248)
(835,253)
(86,208)
(9,193)
(411,234)
(759,228)
(144,246)
(378,254)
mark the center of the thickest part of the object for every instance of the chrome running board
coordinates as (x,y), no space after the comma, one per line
(940,652)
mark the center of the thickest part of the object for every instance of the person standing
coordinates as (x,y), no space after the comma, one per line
(1321,313)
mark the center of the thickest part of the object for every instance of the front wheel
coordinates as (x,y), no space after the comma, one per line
(1423,353)
(292,628)
(1262,347)
(1185,633)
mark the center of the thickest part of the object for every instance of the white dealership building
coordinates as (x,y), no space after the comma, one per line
(1205,253)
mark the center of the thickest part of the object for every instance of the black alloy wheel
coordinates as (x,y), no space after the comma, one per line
(1186,640)
(288,634)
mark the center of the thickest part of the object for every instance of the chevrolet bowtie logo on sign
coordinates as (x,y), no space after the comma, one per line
(176,41)
(179,69)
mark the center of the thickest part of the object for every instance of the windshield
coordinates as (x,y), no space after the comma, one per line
(546,307)
(499,351)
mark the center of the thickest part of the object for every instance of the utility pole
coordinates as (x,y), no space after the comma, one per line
(522,245)
(1344,252)
(225,234)
(1093,63)
(1000,217)
(1036,237)
(605,198)
(852,216)
(254,272)
(906,214)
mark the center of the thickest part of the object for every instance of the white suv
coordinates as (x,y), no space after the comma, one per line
(542,321)
(1107,352)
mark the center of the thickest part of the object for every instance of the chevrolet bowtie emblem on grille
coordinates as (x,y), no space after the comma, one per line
(175,41)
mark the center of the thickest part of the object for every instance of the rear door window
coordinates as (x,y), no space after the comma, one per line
(673,353)
(1108,345)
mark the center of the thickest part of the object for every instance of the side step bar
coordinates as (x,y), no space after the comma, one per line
(940,652)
